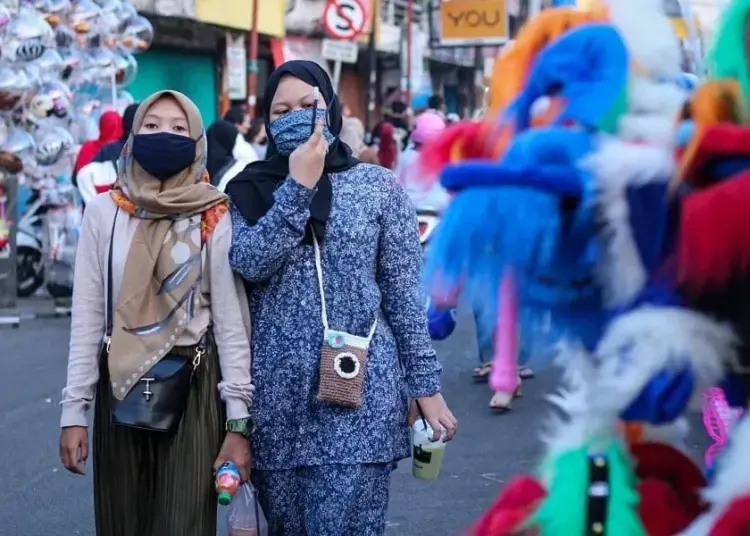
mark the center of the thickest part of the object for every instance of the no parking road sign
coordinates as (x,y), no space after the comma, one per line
(344,19)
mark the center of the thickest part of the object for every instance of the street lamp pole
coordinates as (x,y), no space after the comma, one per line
(252,61)
(409,38)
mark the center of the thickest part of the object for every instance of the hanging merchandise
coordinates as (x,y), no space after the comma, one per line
(575,223)
(62,64)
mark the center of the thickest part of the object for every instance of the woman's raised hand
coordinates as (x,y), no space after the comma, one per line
(307,161)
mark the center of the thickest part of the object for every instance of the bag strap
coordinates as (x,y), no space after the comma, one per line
(109,307)
(319,271)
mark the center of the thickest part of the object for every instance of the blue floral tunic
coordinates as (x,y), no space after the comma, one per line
(372,265)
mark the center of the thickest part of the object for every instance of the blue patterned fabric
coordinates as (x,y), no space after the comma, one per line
(328,500)
(372,265)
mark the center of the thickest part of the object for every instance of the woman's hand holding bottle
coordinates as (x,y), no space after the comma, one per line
(307,161)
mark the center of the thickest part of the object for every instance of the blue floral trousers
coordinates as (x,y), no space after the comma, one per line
(325,500)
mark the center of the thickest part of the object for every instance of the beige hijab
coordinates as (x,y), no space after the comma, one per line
(353,134)
(161,282)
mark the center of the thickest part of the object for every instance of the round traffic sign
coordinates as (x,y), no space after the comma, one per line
(344,19)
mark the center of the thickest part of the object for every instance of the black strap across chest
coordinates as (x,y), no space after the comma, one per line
(109,312)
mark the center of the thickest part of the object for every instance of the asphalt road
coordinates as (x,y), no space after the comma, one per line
(39,497)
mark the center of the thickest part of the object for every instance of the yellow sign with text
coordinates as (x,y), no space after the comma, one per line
(473,22)
(238,15)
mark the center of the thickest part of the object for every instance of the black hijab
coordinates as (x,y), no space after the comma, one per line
(235,115)
(251,191)
(221,137)
(127,120)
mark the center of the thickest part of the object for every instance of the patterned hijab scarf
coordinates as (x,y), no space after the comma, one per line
(161,282)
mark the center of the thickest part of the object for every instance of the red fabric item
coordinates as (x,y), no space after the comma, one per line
(388,148)
(714,243)
(716,142)
(735,521)
(670,485)
(438,153)
(660,509)
(101,188)
(110,129)
(517,502)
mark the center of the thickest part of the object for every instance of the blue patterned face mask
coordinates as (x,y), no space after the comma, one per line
(294,128)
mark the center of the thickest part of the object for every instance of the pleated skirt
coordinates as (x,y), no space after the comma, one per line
(146,484)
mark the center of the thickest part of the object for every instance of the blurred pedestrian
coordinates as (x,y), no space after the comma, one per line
(388,148)
(110,129)
(239,118)
(398,117)
(110,152)
(427,126)
(224,160)
(152,275)
(353,134)
(436,104)
(257,137)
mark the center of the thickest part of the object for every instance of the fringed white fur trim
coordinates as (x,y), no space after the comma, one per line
(732,479)
(648,35)
(647,128)
(653,108)
(647,96)
(639,344)
(616,165)
(574,423)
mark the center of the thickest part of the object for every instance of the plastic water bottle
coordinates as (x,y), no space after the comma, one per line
(228,480)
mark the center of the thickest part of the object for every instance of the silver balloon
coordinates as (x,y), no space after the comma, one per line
(84,19)
(27,37)
(53,11)
(52,144)
(53,99)
(137,35)
(50,64)
(14,83)
(17,141)
(100,65)
(126,68)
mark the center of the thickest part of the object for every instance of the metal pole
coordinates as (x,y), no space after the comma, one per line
(409,36)
(252,62)
(373,78)
(336,75)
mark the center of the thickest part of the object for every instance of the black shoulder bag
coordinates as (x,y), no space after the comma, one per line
(157,402)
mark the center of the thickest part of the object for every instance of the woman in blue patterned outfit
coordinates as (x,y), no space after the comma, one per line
(323,468)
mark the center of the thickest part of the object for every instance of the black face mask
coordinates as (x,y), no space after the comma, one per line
(163,155)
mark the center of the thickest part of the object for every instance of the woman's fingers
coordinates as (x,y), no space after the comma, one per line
(84,448)
(449,423)
(437,429)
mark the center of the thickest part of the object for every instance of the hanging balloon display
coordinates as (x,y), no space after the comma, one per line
(62,64)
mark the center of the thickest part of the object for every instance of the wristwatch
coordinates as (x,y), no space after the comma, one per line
(240,426)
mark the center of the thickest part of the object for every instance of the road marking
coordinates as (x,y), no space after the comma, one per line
(493,477)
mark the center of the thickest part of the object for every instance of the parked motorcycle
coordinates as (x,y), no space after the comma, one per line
(29,246)
(46,238)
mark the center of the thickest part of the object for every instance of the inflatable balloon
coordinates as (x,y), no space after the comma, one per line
(62,64)
(51,100)
(26,37)
(137,35)
(52,145)
(14,83)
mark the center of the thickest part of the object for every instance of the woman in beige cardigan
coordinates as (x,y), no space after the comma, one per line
(158,335)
